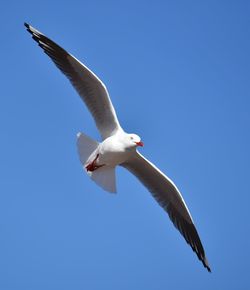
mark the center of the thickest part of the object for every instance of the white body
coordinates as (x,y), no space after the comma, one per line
(112,151)
(117,147)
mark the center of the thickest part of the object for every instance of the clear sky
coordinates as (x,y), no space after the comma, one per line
(178,75)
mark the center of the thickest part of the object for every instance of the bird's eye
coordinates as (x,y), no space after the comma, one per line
(131,138)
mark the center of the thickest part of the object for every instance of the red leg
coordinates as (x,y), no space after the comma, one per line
(93,166)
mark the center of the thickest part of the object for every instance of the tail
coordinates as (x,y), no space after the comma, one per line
(86,146)
(103,176)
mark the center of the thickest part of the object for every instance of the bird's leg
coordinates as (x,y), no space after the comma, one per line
(93,166)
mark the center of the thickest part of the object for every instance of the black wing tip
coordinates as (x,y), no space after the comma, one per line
(206,265)
(202,258)
(193,240)
(28,27)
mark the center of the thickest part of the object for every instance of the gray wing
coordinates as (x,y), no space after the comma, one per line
(91,89)
(169,197)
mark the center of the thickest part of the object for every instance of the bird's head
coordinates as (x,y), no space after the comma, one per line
(134,140)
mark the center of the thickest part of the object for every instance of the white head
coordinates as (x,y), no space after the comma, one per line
(133,140)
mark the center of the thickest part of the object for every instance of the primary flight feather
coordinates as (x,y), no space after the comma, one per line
(117,148)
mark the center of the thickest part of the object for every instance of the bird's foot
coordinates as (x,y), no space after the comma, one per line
(92,166)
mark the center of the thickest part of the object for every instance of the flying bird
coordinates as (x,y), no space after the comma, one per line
(99,160)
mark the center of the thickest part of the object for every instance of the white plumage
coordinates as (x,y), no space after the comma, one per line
(117,148)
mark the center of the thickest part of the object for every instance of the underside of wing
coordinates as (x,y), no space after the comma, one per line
(91,89)
(169,197)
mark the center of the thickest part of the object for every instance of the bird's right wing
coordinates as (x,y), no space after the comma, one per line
(91,89)
(168,196)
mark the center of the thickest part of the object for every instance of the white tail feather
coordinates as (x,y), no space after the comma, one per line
(85,146)
(103,176)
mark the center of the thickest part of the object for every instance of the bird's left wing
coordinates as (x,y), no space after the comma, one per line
(91,89)
(168,196)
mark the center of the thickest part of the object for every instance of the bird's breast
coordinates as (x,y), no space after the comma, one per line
(112,154)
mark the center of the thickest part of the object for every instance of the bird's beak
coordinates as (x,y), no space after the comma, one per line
(139,143)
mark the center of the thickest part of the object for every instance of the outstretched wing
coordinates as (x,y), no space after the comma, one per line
(91,89)
(169,197)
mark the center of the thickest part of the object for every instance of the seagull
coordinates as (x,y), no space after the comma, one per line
(99,160)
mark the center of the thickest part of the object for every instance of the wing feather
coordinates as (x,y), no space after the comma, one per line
(91,89)
(168,196)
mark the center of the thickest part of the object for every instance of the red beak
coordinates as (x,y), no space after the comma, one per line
(139,143)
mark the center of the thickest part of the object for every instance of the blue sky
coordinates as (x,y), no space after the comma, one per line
(178,75)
